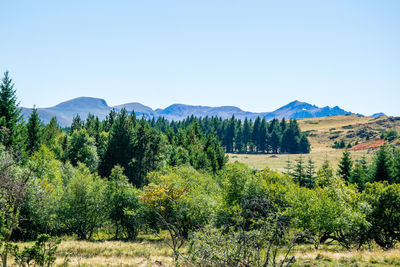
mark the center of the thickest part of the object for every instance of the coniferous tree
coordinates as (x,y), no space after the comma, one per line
(310,174)
(148,149)
(229,135)
(256,132)
(10,114)
(275,141)
(77,123)
(382,170)
(290,138)
(246,134)
(359,174)
(345,165)
(33,131)
(262,136)
(299,172)
(396,166)
(119,147)
(283,125)
(304,144)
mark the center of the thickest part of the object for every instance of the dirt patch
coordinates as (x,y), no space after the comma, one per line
(368,145)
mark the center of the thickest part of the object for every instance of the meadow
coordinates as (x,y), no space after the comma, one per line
(151,251)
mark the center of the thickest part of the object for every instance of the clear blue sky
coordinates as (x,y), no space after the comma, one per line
(257,55)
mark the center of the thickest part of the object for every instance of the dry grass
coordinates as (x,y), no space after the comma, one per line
(113,253)
(322,134)
(157,253)
(375,257)
(279,161)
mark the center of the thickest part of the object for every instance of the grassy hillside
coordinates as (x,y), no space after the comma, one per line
(322,133)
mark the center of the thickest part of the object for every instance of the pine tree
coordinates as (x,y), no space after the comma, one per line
(34,129)
(246,134)
(275,141)
(359,174)
(382,168)
(299,172)
(230,135)
(10,114)
(396,166)
(148,149)
(310,173)
(77,124)
(119,147)
(345,165)
(288,167)
(262,136)
(304,144)
(255,132)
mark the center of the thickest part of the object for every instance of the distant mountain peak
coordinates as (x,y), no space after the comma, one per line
(65,111)
(377,115)
(82,103)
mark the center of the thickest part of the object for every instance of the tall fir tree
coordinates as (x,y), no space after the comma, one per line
(34,133)
(119,146)
(382,166)
(10,115)
(299,172)
(246,134)
(345,165)
(310,173)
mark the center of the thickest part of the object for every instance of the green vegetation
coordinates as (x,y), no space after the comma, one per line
(151,180)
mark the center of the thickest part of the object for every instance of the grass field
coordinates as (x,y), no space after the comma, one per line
(279,161)
(322,132)
(157,253)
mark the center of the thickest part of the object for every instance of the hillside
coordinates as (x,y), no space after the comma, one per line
(364,133)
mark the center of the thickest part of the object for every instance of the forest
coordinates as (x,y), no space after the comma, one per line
(125,176)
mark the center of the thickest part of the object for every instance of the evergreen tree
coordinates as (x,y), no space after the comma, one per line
(148,149)
(283,125)
(10,114)
(33,128)
(256,132)
(345,165)
(382,168)
(288,167)
(77,123)
(230,135)
(275,141)
(359,174)
(119,147)
(304,144)
(290,138)
(246,134)
(310,174)
(396,166)
(299,172)
(262,136)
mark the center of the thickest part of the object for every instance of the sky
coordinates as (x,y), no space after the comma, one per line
(257,55)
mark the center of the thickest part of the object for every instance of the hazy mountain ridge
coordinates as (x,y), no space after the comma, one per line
(65,111)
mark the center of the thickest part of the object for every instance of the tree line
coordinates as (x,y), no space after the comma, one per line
(237,136)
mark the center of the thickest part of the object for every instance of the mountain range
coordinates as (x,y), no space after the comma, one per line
(65,111)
